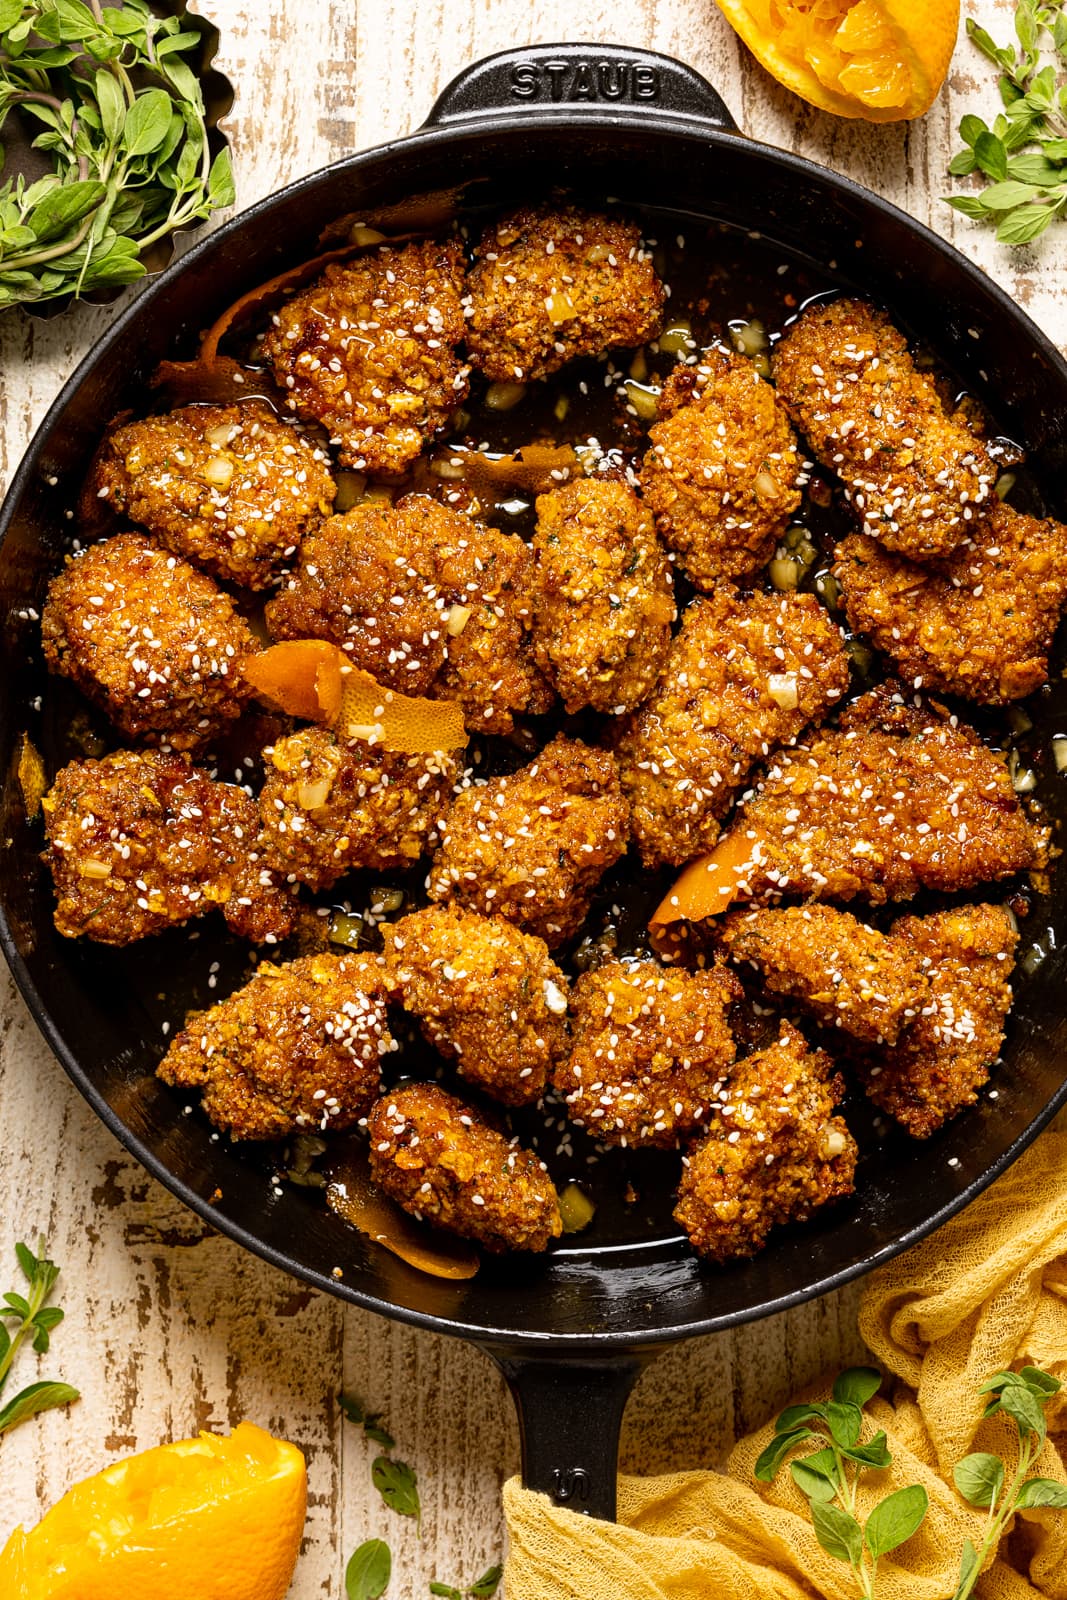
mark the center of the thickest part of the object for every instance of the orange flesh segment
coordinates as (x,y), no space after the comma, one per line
(354,1197)
(302,677)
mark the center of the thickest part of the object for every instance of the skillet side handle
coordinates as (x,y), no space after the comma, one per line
(570,1416)
(599,78)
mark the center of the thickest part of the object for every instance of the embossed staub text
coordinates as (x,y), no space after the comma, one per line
(584,80)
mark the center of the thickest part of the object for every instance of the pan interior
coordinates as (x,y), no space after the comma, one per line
(630,1276)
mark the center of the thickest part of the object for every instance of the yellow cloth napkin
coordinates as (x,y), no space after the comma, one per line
(987,1291)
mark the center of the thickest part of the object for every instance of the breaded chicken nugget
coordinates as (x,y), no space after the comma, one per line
(441,1161)
(298,1047)
(486,994)
(549,284)
(943,1058)
(425,599)
(919,478)
(229,487)
(742,677)
(847,974)
(723,472)
(149,640)
(775,1151)
(532,846)
(141,841)
(331,805)
(603,596)
(895,799)
(652,1049)
(369,350)
(979,624)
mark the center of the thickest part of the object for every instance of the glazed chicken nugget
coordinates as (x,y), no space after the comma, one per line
(486,994)
(979,624)
(549,284)
(229,487)
(440,1160)
(898,797)
(298,1047)
(723,472)
(743,676)
(943,1058)
(652,1049)
(921,481)
(151,641)
(775,1151)
(142,841)
(427,600)
(330,805)
(849,975)
(369,350)
(532,846)
(603,598)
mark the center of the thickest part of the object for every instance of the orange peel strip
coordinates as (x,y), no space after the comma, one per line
(302,677)
(405,723)
(531,468)
(314,680)
(709,885)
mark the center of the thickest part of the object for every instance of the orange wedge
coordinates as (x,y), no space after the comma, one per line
(202,1519)
(883,60)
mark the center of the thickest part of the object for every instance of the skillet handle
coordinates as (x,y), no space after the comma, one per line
(570,1416)
(571,78)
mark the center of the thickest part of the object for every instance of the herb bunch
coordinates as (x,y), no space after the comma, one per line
(123,126)
(830,1475)
(1024,154)
(29,1317)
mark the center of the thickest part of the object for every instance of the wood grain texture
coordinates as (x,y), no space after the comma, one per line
(171,1328)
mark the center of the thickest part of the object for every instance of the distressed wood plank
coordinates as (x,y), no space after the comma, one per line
(171,1328)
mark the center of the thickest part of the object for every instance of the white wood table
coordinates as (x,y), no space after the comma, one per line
(170,1328)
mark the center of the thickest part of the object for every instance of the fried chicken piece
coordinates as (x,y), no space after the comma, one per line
(774,1153)
(919,478)
(603,597)
(486,994)
(440,1160)
(142,841)
(723,472)
(652,1049)
(979,624)
(149,640)
(427,600)
(369,350)
(943,1058)
(532,846)
(549,284)
(845,973)
(743,677)
(230,488)
(898,797)
(330,806)
(298,1047)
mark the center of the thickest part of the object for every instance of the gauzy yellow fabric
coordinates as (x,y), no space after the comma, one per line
(986,1292)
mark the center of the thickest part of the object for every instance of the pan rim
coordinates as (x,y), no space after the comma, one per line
(667,125)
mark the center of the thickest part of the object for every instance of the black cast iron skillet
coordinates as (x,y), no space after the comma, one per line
(571,1332)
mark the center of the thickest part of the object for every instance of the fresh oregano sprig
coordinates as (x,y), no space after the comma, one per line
(29,1317)
(483,1588)
(1024,154)
(982,1478)
(829,1476)
(123,126)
